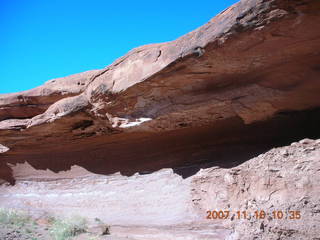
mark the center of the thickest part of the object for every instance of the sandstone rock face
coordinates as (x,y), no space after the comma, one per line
(252,67)
(247,62)
(27,104)
(242,84)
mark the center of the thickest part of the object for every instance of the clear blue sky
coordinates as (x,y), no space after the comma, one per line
(45,39)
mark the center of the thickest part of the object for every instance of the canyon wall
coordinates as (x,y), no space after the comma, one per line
(201,107)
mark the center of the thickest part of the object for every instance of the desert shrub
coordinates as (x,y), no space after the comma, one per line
(14,217)
(66,229)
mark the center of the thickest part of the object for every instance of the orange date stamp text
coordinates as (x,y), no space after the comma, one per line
(258,214)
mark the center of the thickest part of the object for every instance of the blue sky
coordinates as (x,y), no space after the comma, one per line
(45,39)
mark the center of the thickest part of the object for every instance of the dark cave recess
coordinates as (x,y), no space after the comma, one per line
(225,144)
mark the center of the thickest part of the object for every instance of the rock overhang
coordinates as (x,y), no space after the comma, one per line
(253,69)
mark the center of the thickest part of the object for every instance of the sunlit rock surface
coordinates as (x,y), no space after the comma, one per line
(172,130)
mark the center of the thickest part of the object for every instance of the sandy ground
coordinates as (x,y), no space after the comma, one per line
(182,232)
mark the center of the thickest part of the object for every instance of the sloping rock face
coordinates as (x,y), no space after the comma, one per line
(27,104)
(250,75)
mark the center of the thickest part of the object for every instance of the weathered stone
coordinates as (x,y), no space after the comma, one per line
(293,187)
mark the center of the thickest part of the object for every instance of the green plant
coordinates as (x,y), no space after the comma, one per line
(14,217)
(66,229)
